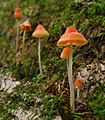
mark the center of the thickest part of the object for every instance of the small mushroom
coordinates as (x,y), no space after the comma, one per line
(18,16)
(65,55)
(78,84)
(26,27)
(71,37)
(40,32)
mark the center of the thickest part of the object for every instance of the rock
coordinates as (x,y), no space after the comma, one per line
(102,67)
(58,118)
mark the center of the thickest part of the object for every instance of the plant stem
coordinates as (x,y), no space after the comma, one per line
(23,44)
(78,91)
(67,64)
(17,37)
(39,56)
(70,80)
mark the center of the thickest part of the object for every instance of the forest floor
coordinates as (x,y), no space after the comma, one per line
(92,72)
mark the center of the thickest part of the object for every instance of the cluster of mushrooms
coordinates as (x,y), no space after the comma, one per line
(69,38)
(39,33)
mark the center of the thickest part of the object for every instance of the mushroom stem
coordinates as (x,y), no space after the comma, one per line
(39,56)
(67,64)
(17,37)
(78,93)
(70,80)
(23,44)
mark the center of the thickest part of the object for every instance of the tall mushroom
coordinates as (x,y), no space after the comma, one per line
(40,32)
(71,37)
(18,16)
(26,27)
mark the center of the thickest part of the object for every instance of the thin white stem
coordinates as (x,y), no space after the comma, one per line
(23,42)
(67,64)
(71,81)
(78,93)
(39,56)
(17,37)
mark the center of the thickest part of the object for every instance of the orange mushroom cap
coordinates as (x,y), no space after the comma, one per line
(63,41)
(18,14)
(25,26)
(65,53)
(40,31)
(78,83)
(71,36)
(77,38)
(71,29)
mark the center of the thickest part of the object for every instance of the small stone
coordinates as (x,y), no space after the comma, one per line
(102,67)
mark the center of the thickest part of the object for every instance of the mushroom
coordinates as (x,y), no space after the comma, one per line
(63,41)
(40,32)
(65,55)
(18,16)
(78,83)
(26,27)
(71,37)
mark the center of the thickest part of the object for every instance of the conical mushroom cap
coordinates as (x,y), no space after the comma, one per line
(77,38)
(18,14)
(63,41)
(25,26)
(78,83)
(71,36)
(40,31)
(71,29)
(65,53)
